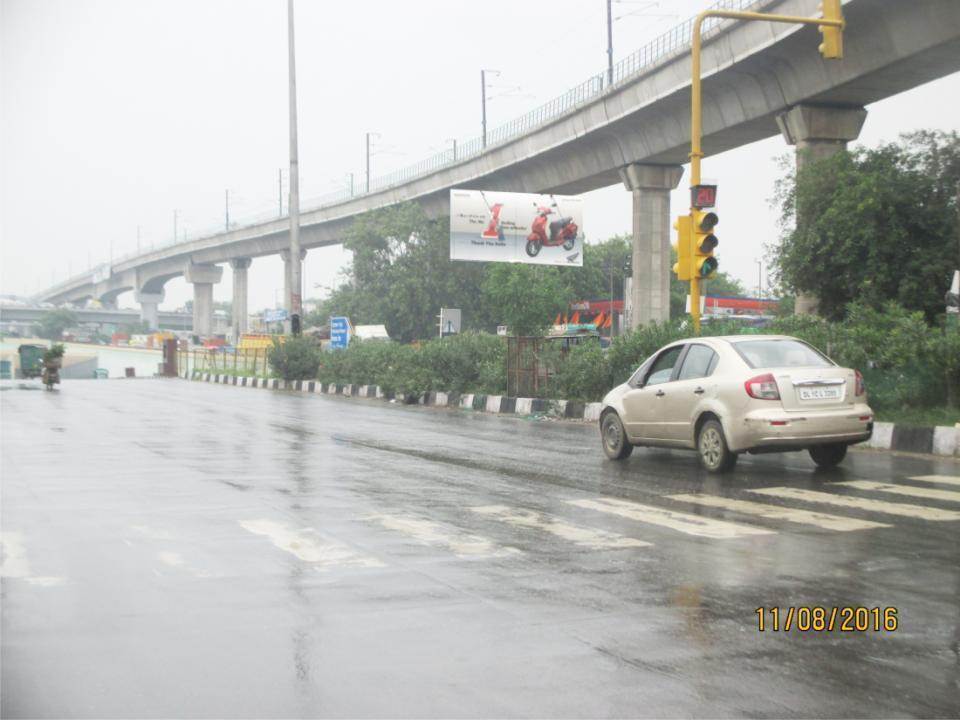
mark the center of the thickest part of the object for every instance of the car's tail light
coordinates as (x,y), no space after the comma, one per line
(861,386)
(762,387)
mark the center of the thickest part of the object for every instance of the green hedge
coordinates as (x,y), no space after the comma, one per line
(906,363)
(472,362)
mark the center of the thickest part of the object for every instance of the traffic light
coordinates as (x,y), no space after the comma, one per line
(704,264)
(684,266)
(832,46)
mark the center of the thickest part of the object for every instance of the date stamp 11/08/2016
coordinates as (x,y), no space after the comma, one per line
(827,619)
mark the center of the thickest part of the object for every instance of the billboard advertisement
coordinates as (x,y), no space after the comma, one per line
(492,226)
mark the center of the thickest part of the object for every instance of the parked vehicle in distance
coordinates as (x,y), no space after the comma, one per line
(723,396)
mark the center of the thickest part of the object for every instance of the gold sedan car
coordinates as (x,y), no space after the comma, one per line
(722,396)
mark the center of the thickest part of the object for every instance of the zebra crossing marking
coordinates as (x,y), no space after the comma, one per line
(908,490)
(778,512)
(587,537)
(881,506)
(308,546)
(430,533)
(945,479)
(680,521)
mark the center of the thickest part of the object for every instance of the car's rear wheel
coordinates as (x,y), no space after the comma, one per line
(614,437)
(828,456)
(715,456)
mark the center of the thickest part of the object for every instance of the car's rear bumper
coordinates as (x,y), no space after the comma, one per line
(778,428)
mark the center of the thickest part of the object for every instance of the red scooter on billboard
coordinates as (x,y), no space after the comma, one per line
(562,231)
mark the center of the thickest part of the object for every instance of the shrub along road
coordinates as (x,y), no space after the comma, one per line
(186,549)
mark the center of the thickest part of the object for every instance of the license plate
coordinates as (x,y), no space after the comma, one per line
(819,393)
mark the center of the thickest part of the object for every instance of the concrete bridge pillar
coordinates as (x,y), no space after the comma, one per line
(650,288)
(818,131)
(239,320)
(203,278)
(285,254)
(150,308)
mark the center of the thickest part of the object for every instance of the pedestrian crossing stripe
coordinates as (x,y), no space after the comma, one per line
(778,512)
(430,533)
(680,521)
(945,479)
(908,490)
(307,545)
(881,506)
(587,537)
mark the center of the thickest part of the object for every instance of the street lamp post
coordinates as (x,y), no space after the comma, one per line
(609,43)
(483,103)
(294,202)
(759,279)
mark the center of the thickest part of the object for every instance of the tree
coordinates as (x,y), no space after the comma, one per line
(600,260)
(872,225)
(525,297)
(53,323)
(401,275)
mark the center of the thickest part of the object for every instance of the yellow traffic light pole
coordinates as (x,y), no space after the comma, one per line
(831,48)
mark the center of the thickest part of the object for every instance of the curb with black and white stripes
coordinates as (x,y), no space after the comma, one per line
(941,440)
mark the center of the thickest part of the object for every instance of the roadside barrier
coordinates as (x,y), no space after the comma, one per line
(944,441)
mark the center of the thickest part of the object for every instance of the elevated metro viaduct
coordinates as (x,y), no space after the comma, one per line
(760,79)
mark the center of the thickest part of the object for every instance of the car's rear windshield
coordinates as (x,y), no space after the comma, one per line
(779,353)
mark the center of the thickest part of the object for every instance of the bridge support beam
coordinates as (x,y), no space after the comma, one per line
(239,320)
(650,287)
(285,254)
(818,131)
(203,278)
(150,308)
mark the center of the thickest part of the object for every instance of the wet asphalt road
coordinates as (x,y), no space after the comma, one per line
(175,549)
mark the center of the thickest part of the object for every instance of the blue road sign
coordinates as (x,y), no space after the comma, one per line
(274,315)
(339,332)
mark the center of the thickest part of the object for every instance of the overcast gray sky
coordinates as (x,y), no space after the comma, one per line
(115,113)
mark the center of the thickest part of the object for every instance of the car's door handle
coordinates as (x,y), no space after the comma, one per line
(698,391)
(660,393)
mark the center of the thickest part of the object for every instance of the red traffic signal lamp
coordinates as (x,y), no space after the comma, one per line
(704,264)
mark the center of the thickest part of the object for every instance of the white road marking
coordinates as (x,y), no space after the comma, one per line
(308,546)
(881,506)
(13,556)
(588,537)
(431,533)
(778,512)
(47,581)
(945,479)
(152,533)
(684,522)
(909,490)
(14,564)
(170,558)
